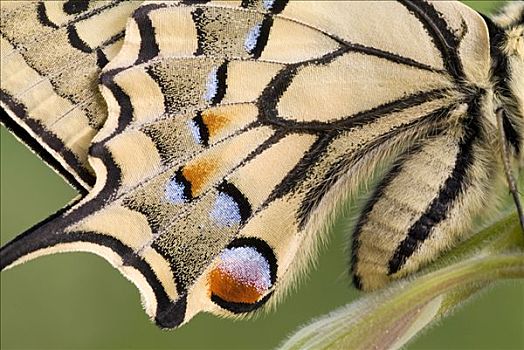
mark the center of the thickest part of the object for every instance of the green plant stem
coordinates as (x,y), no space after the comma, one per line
(390,318)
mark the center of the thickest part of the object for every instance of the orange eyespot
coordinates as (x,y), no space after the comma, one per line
(242,275)
(231,289)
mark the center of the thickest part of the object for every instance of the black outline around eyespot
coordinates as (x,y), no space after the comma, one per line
(267,252)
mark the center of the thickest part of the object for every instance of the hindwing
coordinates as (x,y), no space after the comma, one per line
(236,129)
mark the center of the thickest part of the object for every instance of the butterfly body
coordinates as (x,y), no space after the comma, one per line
(227,148)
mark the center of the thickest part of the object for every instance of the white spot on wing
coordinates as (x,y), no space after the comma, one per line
(226,211)
(247,265)
(252,37)
(211,85)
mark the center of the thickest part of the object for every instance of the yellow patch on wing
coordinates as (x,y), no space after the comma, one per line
(162,270)
(136,155)
(259,177)
(136,84)
(179,34)
(128,226)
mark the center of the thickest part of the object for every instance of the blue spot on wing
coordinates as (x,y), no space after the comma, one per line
(195,131)
(226,211)
(211,85)
(268,4)
(175,192)
(252,37)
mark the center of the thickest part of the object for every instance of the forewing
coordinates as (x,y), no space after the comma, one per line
(228,147)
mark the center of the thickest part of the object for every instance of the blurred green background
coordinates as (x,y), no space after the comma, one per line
(77,301)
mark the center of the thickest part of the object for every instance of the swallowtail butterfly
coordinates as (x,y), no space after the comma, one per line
(213,140)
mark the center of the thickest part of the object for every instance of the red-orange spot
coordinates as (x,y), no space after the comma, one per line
(230,289)
(198,174)
(214,122)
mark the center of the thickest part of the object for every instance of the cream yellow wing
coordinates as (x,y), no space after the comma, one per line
(236,129)
(51,56)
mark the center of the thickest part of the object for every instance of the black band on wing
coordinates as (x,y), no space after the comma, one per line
(42,16)
(148,45)
(73,7)
(50,140)
(75,40)
(443,38)
(263,37)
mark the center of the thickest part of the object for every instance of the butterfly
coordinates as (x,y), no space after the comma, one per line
(213,141)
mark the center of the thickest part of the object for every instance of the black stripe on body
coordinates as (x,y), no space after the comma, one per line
(510,133)
(452,188)
(443,38)
(500,77)
(49,139)
(364,215)
(148,45)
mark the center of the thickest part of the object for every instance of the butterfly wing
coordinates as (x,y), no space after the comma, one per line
(227,150)
(51,57)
